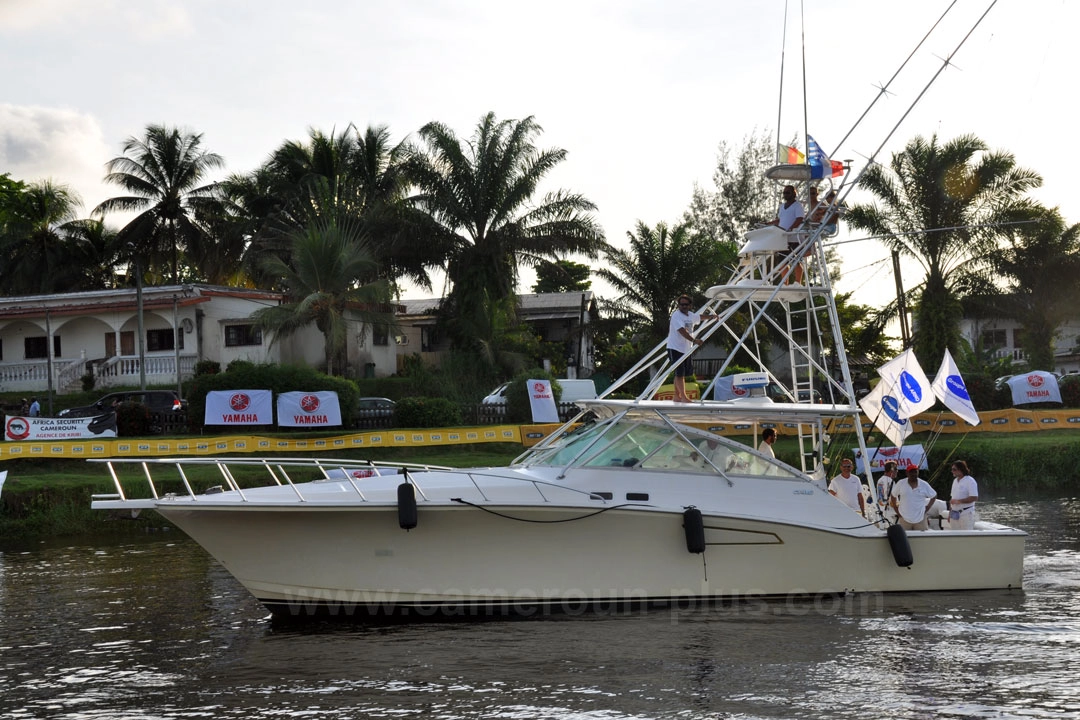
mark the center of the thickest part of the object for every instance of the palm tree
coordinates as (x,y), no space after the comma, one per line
(163,174)
(348,174)
(661,264)
(1040,265)
(481,192)
(944,205)
(37,242)
(96,252)
(328,256)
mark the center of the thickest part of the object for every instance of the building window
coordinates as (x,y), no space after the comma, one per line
(162,340)
(429,337)
(994,338)
(236,335)
(36,348)
(380,334)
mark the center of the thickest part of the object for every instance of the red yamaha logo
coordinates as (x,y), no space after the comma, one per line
(309,403)
(1035,380)
(239,402)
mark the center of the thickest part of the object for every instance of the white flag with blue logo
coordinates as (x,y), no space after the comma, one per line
(882,408)
(905,380)
(951,390)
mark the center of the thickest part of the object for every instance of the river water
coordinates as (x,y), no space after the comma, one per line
(153,628)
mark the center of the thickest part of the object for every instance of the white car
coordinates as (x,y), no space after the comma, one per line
(572,391)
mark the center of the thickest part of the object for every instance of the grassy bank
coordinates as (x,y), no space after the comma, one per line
(51,498)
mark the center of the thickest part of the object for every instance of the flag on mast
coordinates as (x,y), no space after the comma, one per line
(905,380)
(787,155)
(820,164)
(951,390)
(881,407)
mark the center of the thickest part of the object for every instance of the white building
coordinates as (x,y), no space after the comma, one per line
(1005,337)
(560,318)
(68,335)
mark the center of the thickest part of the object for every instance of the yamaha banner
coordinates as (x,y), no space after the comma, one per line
(308,409)
(239,407)
(1033,387)
(542,401)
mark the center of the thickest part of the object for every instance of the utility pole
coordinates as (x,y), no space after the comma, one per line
(901,303)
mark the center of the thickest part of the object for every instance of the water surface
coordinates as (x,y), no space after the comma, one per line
(152,627)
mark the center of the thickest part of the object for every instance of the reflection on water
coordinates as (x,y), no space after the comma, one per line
(155,629)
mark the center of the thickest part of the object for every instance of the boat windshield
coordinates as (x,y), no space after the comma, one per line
(627,444)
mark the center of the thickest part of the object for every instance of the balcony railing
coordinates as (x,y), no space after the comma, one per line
(32,376)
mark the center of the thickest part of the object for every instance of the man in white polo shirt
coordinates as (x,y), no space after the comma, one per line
(912,498)
(848,487)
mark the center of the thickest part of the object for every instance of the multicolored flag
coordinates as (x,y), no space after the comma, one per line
(951,390)
(787,155)
(820,164)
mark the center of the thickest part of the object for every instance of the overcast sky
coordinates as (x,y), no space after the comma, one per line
(639,93)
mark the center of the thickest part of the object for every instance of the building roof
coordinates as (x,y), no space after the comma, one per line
(94,301)
(532,306)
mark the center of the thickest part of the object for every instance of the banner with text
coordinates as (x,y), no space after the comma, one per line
(38,428)
(907,455)
(542,401)
(239,407)
(1033,387)
(308,409)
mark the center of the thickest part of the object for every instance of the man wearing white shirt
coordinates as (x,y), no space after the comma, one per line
(912,499)
(848,488)
(768,437)
(681,341)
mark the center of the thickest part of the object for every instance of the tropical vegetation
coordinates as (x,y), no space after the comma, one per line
(945,205)
(165,177)
(1040,266)
(339,220)
(482,192)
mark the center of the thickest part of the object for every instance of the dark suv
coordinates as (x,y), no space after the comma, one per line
(158,401)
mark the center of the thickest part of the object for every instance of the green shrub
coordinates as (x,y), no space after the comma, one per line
(982,393)
(207,367)
(88,381)
(420,412)
(1070,391)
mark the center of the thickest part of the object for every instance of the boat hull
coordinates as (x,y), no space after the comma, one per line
(463,560)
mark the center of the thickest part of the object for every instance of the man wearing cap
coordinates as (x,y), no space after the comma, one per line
(912,499)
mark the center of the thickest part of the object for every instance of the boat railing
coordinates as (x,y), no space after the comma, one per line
(281,472)
(277,470)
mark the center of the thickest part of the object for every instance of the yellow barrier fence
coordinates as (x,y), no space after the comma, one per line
(223,445)
(528,435)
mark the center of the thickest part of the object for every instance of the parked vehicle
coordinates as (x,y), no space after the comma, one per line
(368,407)
(158,401)
(572,391)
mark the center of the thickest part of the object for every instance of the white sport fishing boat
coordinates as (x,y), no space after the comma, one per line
(636,501)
